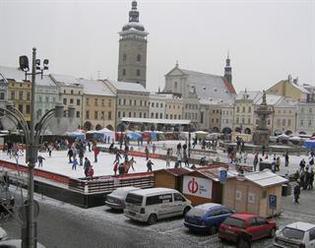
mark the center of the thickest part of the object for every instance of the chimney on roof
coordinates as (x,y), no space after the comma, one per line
(290,78)
(295,80)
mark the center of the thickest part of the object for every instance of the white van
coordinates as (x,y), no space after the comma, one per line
(150,205)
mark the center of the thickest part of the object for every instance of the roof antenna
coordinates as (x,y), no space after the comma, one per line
(176,63)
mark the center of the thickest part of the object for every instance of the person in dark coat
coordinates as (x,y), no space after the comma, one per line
(146,150)
(70,155)
(302,164)
(255,161)
(86,166)
(297,192)
(40,160)
(311,181)
(286,163)
(149,165)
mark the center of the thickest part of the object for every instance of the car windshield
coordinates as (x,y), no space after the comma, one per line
(197,211)
(119,192)
(292,233)
(234,222)
(134,199)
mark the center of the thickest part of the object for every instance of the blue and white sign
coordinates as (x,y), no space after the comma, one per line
(223,176)
(272,201)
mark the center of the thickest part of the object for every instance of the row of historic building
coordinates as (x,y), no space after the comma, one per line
(209,101)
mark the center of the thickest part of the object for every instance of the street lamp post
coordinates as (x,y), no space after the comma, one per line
(32,135)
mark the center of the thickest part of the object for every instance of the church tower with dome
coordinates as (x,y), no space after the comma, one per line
(132,61)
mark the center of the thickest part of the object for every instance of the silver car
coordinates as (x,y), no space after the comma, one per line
(116,199)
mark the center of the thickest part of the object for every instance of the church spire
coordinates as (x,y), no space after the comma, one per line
(228,69)
(134,13)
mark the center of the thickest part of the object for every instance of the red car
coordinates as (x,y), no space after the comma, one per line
(254,226)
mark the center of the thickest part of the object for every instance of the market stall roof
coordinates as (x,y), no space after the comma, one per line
(265,178)
(156,121)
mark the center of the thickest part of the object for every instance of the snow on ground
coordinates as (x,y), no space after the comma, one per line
(58,163)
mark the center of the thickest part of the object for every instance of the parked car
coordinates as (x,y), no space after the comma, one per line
(116,199)
(298,234)
(255,226)
(15,243)
(151,205)
(206,217)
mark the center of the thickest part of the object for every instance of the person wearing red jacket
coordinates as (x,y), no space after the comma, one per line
(96,151)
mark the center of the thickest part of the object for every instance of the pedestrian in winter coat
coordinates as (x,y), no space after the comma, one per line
(81,155)
(255,161)
(90,172)
(40,160)
(146,150)
(70,155)
(118,157)
(74,164)
(153,148)
(297,192)
(311,181)
(96,151)
(168,157)
(87,165)
(121,169)
(115,168)
(286,163)
(149,165)
(185,158)
(278,162)
(302,164)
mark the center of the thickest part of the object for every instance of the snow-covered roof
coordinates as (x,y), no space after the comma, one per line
(286,103)
(299,87)
(95,87)
(265,178)
(157,121)
(210,86)
(14,73)
(270,99)
(119,85)
(65,79)
(249,95)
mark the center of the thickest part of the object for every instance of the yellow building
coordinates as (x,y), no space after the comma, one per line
(19,93)
(289,88)
(174,107)
(99,105)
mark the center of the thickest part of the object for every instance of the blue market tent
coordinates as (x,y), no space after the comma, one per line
(310,144)
(76,135)
(134,136)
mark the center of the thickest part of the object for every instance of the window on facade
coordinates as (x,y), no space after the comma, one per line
(310,123)
(1,95)
(95,101)
(268,122)
(152,104)
(28,96)
(124,72)
(28,109)
(138,57)
(130,102)
(140,102)
(78,102)
(179,117)
(135,102)
(65,101)
(118,114)
(283,122)
(289,122)
(140,114)
(248,121)
(171,116)
(109,115)
(237,120)
(161,115)
(134,114)
(175,85)
(47,99)
(249,109)
(237,109)
(20,95)
(243,121)
(161,105)
(102,115)
(78,114)
(166,116)
(123,114)
(129,114)
(144,115)
(152,115)
(243,110)
(12,95)
(71,101)
(71,92)
(87,114)
(124,57)
(156,115)
(109,103)
(103,102)
(138,72)
(20,107)
(124,102)
(96,115)
(119,101)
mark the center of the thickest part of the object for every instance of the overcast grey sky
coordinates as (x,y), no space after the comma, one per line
(267,39)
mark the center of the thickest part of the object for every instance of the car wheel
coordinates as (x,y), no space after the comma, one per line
(186,210)
(272,233)
(152,219)
(213,230)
